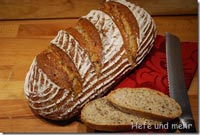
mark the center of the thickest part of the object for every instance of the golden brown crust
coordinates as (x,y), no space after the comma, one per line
(59,68)
(93,42)
(89,47)
(110,128)
(127,25)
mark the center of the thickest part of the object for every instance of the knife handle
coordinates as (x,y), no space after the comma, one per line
(171,125)
(188,126)
(183,125)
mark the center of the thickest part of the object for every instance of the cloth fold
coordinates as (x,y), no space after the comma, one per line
(152,72)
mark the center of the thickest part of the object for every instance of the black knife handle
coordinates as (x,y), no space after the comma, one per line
(172,125)
(188,126)
(183,125)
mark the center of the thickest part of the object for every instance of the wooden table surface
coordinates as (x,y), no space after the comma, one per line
(21,40)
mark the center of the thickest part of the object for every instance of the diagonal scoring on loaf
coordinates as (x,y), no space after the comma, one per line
(106,79)
(78,55)
(62,41)
(53,102)
(147,29)
(111,38)
(110,35)
(41,90)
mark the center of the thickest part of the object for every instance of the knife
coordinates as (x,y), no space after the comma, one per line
(177,85)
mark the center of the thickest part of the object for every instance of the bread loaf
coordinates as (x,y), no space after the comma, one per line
(85,61)
(101,115)
(145,102)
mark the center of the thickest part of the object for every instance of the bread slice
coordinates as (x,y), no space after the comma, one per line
(101,115)
(147,102)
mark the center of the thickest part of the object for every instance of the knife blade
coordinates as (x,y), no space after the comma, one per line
(177,85)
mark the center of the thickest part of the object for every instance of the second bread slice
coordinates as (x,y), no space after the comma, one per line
(99,114)
(146,102)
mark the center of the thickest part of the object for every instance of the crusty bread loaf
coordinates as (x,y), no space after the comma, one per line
(145,102)
(85,61)
(101,115)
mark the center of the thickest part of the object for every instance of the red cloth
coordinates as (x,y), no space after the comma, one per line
(152,72)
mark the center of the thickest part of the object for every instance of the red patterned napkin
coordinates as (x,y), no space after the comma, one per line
(152,72)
